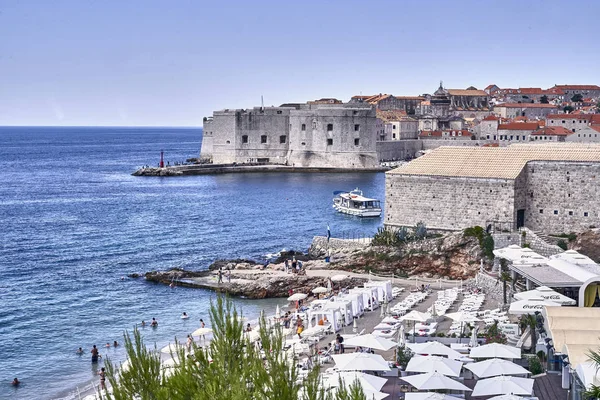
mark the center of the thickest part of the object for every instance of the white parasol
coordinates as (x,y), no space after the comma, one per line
(495,367)
(544,292)
(339,277)
(371,341)
(434,348)
(319,289)
(434,381)
(297,297)
(443,365)
(202,331)
(428,396)
(503,385)
(530,306)
(495,350)
(360,362)
(368,382)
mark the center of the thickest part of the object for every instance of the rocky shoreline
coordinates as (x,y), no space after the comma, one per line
(452,256)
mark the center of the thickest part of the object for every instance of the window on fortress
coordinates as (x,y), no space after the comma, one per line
(570,212)
(555,212)
(263,139)
(282,139)
(357,127)
(303,127)
(278,111)
(245,139)
(329,142)
(585,214)
(356,142)
(541,211)
(329,127)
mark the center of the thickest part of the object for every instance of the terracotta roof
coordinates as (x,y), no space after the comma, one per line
(568,116)
(526,105)
(554,90)
(391,115)
(523,91)
(553,131)
(410,97)
(595,119)
(494,162)
(491,117)
(519,126)
(463,92)
(488,87)
(578,87)
(596,128)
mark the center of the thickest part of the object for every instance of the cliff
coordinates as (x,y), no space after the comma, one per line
(587,243)
(452,256)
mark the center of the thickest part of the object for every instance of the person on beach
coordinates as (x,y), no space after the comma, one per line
(95,354)
(102,374)
(188,345)
(202,324)
(294,264)
(286,265)
(228,275)
(79,351)
(248,328)
(220,276)
(154,323)
(340,340)
(299,330)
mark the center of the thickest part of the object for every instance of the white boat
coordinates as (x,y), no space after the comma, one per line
(354,203)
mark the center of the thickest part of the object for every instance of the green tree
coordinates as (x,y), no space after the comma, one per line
(594,391)
(420,230)
(229,368)
(577,98)
(493,334)
(544,99)
(568,109)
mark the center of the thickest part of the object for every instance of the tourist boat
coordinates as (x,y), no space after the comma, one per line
(354,203)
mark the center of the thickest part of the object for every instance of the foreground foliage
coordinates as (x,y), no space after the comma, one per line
(229,368)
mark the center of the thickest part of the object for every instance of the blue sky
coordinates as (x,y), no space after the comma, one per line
(170,63)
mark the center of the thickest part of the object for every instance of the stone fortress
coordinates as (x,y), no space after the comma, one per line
(551,188)
(316,134)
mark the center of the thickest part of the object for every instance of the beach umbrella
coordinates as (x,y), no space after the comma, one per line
(416,316)
(297,297)
(503,385)
(202,332)
(339,277)
(495,367)
(360,362)
(368,382)
(434,348)
(371,341)
(444,366)
(428,396)
(171,348)
(473,341)
(390,320)
(369,395)
(530,306)
(462,317)
(544,292)
(401,336)
(495,350)
(506,397)
(434,381)
(319,289)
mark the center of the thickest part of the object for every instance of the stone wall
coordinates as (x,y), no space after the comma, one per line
(492,287)
(398,149)
(307,135)
(562,196)
(319,246)
(430,144)
(447,203)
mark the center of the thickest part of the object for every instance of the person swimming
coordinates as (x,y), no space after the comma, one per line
(143,323)
(115,343)
(184,315)
(79,351)
(154,323)
(16,382)
(107,345)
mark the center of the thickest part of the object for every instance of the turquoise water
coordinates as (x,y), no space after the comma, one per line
(75,222)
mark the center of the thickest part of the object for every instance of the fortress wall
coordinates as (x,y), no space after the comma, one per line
(398,149)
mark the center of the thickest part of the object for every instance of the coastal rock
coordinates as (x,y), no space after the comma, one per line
(150,171)
(587,243)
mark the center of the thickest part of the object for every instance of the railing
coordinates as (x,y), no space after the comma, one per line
(353,235)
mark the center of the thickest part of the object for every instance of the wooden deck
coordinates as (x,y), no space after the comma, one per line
(549,387)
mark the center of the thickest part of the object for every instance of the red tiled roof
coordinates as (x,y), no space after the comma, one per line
(553,131)
(466,92)
(569,116)
(491,117)
(519,126)
(578,87)
(596,128)
(525,105)
(594,119)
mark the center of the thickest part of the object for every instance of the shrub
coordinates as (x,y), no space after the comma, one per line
(486,241)
(535,366)
(420,230)
(403,356)
(562,244)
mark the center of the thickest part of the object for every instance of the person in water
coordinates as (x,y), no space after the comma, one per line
(79,351)
(115,343)
(143,323)
(95,354)
(16,382)
(102,374)
(184,315)
(154,322)
(202,324)
(107,345)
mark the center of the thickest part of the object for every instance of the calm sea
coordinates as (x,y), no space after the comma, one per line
(74,222)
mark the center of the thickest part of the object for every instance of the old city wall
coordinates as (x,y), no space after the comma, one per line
(398,149)
(221,132)
(562,196)
(446,203)
(206,148)
(262,135)
(336,136)
(430,144)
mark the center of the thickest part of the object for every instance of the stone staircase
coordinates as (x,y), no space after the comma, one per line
(541,243)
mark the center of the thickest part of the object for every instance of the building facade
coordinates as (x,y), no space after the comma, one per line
(528,110)
(307,135)
(550,188)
